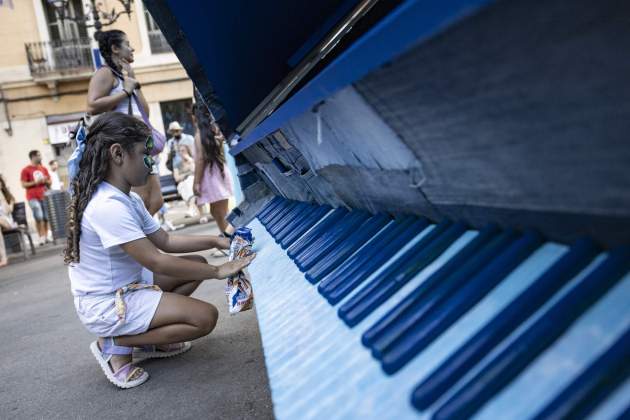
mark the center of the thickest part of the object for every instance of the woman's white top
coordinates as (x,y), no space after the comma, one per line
(123,106)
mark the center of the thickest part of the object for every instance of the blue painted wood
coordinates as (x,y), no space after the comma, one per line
(449,276)
(510,362)
(279,209)
(325,235)
(307,260)
(336,285)
(300,211)
(364,233)
(269,206)
(578,399)
(379,290)
(297,208)
(294,223)
(281,214)
(455,367)
(417,338)
(302,228)
(316,232)
(425,306)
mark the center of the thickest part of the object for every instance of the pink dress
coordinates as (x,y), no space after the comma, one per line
(215,187)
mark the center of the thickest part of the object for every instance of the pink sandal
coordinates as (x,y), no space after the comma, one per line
(152,351)
(122,376)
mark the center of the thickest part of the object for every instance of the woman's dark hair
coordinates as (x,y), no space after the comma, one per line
(109,128)
(5,191)
(106,40)
(211,137)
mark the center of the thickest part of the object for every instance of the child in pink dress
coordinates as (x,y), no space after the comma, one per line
(213,182)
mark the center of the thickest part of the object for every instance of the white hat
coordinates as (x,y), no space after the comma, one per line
(174,126)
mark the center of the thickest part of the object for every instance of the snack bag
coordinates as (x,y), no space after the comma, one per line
(238,289)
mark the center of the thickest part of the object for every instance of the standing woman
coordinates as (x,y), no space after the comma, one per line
(213,182)
(113,87)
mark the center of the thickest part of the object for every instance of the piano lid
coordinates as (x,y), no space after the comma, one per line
(236,53)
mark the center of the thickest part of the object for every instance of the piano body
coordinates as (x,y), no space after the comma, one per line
(440,195)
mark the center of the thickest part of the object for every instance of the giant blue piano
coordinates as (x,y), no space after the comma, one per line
(440,195)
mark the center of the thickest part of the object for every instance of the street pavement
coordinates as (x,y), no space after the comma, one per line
(48,372)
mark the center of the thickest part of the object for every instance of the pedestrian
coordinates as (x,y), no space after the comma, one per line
(7,201)
(184,175)
(172,145)
(128,290)
(36,180)
(114,87)
(56,184)
(213,182)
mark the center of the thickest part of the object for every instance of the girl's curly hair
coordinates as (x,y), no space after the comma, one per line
(109,128)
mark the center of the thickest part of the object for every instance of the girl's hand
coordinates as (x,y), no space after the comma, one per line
(129,84)
(197,189)
(233,267)
(223,243)
(127,69)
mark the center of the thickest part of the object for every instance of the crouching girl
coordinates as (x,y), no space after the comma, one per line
(133,297)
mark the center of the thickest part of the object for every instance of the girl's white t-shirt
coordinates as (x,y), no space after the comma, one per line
(110,219)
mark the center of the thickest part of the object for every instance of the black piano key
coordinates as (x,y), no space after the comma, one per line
(510,362)
(269,206)
(590,388)
(470,259)
(273,213)
(299,211)
(281,214)
(294,223)
(455,367)
(302,227)
(395,356)
(381,288)
(364,233)
(274,226)
(330,239)
(316,232)
(377,249)
(352,280)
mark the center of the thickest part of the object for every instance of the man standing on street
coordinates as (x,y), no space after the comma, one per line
(35,179)
(172,145)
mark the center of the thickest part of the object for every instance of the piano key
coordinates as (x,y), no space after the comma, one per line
(504,367)
(364,233)
(337,233)
(466,262)
(574,261)
(348,283)
(280,214)
(421,334)
(274,225)
(593,385)
(281,207)
(299,212)
(359,267)
(269,206)
(328,221)
(381,288)
(288,238)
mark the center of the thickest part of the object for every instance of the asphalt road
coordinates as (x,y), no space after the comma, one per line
(48,372)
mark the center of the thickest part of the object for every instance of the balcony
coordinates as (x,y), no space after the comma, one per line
(60,59)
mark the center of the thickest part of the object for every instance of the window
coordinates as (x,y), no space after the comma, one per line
(66,29)
(179,111)
(157,42)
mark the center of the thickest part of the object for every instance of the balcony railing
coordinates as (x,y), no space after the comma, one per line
(59,57)
(158,43)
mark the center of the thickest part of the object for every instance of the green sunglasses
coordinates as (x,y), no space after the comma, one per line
(148,160)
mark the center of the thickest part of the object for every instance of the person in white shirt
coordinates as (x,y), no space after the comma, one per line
(174,158)
(126,291)
(56,184)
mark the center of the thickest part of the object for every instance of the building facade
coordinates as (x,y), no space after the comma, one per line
(45,67)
